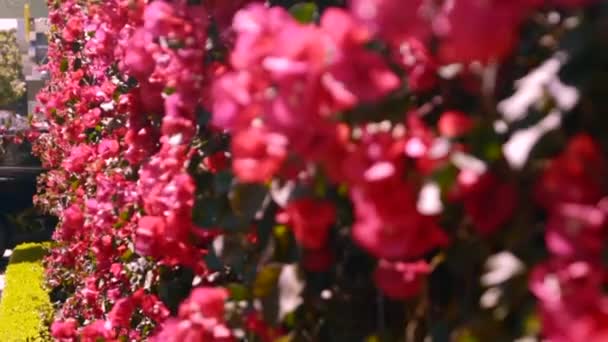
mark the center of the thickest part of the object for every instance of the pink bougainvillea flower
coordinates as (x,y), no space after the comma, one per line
(97,330)
(361,77)
(401,280)
(257,27)
(73,222)
(376,158)
(216,162)
(575,176)
(160,18)
(64,331)
(567,282)
(419,64)
(491,36)
(73,29)
(207,301)
(201,318)
(138,61)
(393,20)
(388,225)
(576,230)
(257,154)
(108,148)
(231,99)
(357,75)
(149,235)
(78,158)
(453,124)
(120,315)
(223,11)
(475,189)
(311,220)
(572,305)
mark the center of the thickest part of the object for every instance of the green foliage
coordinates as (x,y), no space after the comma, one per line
(304,12)
(12,86)
(25,310)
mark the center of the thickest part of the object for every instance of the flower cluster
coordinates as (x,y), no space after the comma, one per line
(569,284)
(246,170)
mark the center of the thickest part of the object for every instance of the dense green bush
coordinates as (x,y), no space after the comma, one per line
(25,309)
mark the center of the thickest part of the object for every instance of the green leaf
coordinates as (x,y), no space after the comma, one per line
(320,186)
(282,236)
(485,143)
(493,151)
(169,91)
(290,320)
(467,336)
(64,65)
(127,255)
(373,338)
(238,291)
(445,177)
(532,324)
(343,189)
(266,280)
(305,12)
(286,338)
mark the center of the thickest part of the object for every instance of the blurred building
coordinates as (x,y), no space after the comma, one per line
(33,44)
(36,56)
(14,8)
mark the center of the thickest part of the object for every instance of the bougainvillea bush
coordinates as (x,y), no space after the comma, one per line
(364,170)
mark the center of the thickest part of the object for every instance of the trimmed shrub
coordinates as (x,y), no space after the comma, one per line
(25,309)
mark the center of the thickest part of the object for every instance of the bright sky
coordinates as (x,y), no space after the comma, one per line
(7,24)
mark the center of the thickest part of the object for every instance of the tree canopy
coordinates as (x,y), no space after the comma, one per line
(12,85)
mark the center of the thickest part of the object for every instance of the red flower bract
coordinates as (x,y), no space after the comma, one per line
(575,176)
(200,319)
(491,36)
(257,154)
(149,236)
(487,216)
(311,221)
(398,233)
(400,280)
(453,124)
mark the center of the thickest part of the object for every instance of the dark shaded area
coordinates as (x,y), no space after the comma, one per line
(175,287)
(3,263)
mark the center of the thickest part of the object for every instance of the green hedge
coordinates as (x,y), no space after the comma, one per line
(25,308)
